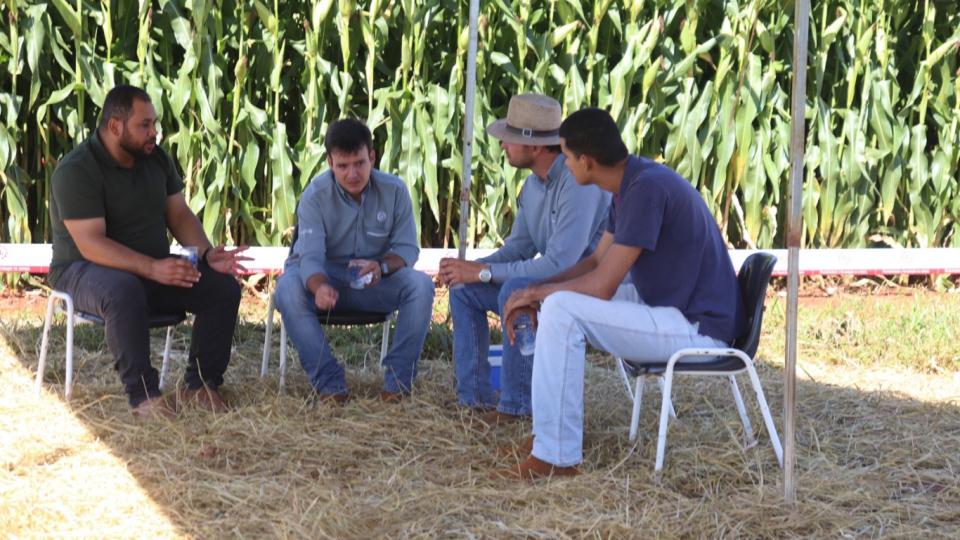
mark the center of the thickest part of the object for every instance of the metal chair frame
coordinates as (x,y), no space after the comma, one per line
(63,301)
(353,318)
(725,362)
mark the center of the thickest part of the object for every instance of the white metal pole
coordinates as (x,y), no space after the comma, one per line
(471,90)
(794,228)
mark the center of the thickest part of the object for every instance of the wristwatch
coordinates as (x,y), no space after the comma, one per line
(485,275)
(384,268)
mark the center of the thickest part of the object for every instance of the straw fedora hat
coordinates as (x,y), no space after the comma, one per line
(531,119)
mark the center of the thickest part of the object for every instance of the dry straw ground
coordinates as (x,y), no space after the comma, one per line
(879,447)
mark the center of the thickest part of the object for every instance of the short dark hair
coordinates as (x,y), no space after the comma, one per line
(119,103)
(593,132)
(348,135)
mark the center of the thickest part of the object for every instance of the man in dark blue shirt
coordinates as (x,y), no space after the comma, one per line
(686,292)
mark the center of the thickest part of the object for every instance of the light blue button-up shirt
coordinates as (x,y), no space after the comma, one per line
(334,228)
(557,218)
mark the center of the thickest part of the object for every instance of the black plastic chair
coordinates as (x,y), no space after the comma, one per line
(335,317)
(753,279)
(167,321)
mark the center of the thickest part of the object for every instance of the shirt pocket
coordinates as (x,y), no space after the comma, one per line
(377,240)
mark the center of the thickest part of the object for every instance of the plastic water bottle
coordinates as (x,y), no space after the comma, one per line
(525,335)
(358,281)
(190,254)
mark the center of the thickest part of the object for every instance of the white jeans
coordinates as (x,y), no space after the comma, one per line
(622,326)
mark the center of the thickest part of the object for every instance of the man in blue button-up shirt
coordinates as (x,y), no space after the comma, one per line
(354,250)
(558,223)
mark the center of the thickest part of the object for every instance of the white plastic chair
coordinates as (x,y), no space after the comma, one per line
(65,302)
(725,362)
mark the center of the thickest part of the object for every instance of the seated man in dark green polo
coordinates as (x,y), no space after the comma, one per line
(114,198)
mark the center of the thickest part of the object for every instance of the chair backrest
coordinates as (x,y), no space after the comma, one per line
(753,279)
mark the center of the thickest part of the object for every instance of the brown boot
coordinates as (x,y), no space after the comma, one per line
(496,418)
(338,400)
(515,450)
(535,469)
(204,398)
(392,397)
(154,408)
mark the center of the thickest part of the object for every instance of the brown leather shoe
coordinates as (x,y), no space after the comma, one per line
(535,469)
(154,408)
(204,398)
(515,450)
(331,399)
(496,418)
(392,397)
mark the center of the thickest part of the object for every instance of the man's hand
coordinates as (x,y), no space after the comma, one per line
(455,271)
(521,301)
(173,271)
(368,267)
(326,297)
(227,261)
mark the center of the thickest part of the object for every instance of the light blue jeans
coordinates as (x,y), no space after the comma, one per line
(624,327)
(471,343)
(406,290)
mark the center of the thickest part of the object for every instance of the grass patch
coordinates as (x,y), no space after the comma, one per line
(878,445)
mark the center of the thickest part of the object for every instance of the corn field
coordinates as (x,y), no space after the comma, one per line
(245,91)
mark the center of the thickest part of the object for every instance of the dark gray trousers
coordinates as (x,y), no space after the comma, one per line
(125,301)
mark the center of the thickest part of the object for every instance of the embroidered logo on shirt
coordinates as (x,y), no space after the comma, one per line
(381,216)
(306,231)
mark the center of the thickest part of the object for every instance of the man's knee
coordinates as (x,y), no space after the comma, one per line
(558,305)
(417,285)
(289,294)
(510,286)
(227,289)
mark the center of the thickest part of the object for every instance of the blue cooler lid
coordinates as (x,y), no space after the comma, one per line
(495,355)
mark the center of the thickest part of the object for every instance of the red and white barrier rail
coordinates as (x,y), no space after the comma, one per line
(35,259)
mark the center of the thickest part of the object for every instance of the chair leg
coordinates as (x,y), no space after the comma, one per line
(47,320)
(283,355)
(385,340)
(635,417)
(673,412)
(749,439)
(624,377)
(665,404)
(166,358)
(268,335)
(765,411)
(68,389)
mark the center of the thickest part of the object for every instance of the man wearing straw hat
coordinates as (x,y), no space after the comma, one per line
(661,231)
(557,223)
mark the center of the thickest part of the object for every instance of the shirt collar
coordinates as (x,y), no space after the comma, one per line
(557,169)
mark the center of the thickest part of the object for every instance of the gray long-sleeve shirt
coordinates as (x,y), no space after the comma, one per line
(557,218)
(334,228)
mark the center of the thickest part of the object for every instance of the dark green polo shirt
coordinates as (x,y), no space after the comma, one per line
(88,183)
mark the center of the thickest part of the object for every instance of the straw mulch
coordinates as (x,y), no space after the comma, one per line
(877,458)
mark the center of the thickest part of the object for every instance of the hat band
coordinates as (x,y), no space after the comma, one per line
(530,133)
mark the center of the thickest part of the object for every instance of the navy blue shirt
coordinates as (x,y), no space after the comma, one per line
(684,262)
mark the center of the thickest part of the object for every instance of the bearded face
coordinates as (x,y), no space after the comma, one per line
(139,134)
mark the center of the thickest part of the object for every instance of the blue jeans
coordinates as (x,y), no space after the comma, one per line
(471,343)
(406,290)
